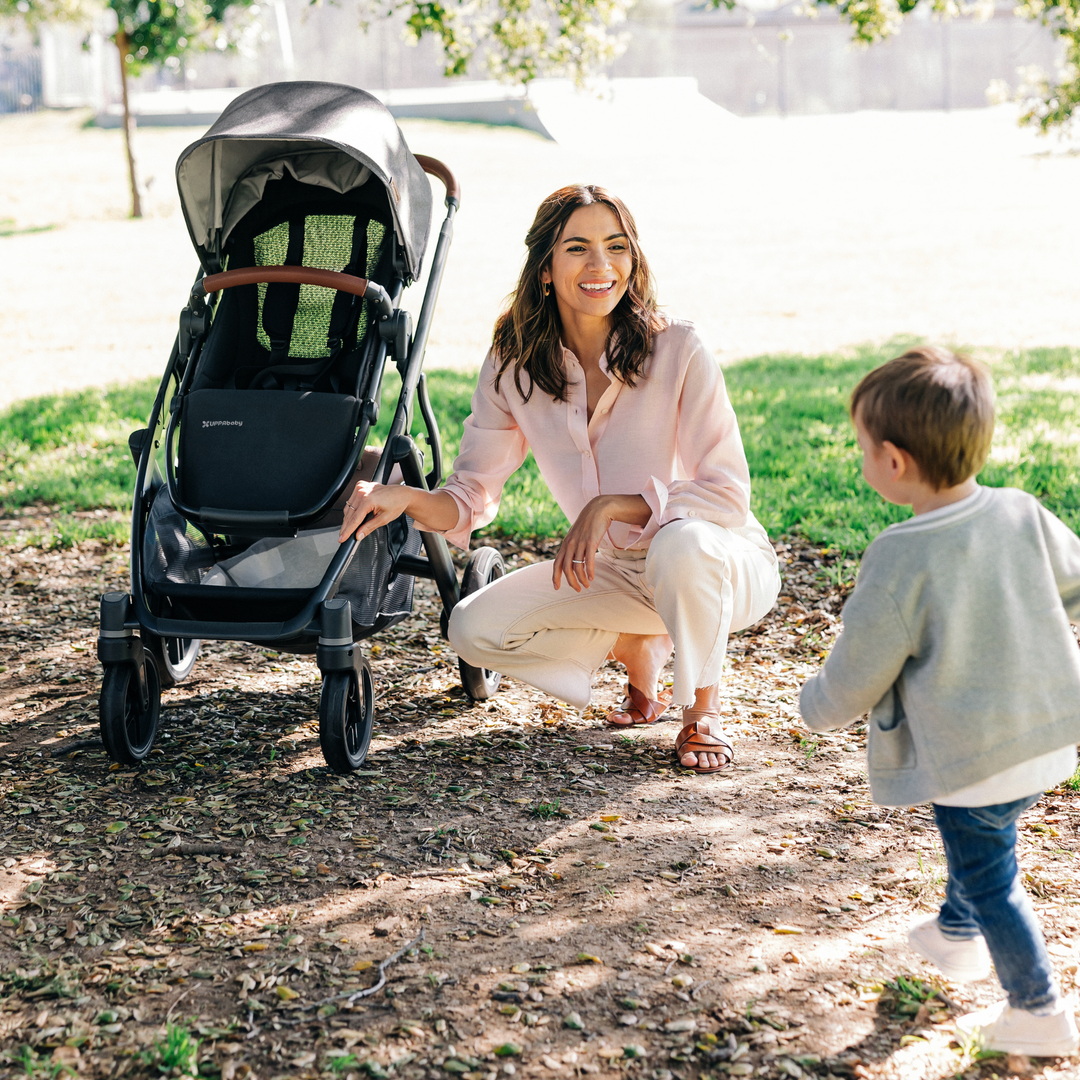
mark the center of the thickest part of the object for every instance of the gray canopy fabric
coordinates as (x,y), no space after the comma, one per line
(324,134)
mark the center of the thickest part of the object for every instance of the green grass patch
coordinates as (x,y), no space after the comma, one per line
(806,465)
(70,451)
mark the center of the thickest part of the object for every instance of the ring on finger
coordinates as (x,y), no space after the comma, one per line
(578,561)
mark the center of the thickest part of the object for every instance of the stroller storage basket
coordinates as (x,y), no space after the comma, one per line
(180,563)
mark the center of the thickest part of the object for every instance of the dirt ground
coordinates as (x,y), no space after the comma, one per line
(570,901)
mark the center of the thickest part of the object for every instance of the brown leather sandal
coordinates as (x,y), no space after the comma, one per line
(692,740)
(642,709)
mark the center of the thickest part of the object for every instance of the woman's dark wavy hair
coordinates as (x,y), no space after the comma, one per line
(527,334)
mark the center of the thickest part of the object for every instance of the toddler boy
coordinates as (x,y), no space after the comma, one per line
(957,640)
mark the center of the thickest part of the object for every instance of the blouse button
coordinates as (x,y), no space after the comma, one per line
(691,513)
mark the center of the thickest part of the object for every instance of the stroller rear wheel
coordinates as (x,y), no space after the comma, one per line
(175,657)
(128,726)
(485,565)
(346,716)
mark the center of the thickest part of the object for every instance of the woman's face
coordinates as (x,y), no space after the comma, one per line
(591,265)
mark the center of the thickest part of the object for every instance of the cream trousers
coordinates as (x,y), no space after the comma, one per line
(697,582)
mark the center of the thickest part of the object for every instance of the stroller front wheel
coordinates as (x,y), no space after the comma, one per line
(128,726)
(346,717)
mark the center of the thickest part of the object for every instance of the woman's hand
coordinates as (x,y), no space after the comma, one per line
(576,559)
(380,504)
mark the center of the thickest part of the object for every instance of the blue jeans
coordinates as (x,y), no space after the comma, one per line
(984,895)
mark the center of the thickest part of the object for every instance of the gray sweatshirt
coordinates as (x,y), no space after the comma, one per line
(957,640)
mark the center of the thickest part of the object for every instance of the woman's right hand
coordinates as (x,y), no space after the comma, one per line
(379,504)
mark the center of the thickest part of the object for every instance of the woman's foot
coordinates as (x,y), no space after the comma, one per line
(701,745)
(644,657)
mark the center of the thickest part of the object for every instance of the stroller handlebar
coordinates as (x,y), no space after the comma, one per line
(436,168)
(301,275)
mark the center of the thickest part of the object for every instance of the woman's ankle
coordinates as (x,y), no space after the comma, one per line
(707,699)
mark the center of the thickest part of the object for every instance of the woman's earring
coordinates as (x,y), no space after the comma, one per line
(547,288)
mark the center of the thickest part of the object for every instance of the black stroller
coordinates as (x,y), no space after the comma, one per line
(309,215)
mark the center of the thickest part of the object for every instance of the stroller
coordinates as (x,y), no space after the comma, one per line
(309,215)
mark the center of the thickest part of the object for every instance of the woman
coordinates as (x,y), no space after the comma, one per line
(630,425)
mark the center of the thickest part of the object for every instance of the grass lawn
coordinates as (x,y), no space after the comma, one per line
(70,451)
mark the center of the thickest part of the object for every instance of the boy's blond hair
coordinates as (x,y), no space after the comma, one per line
(935,404)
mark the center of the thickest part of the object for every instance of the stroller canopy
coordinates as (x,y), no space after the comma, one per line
(324,134)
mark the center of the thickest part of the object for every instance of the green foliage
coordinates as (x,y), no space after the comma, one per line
(804,461)
(70,451)
(1073,783)
(343,1063)
(179,1050)
(806,466)
(1046,102)
(516,40)
(35,1067)
(546,810)
(150,33)
(159,32)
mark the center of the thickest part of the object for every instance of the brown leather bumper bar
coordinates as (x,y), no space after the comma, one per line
(299,275)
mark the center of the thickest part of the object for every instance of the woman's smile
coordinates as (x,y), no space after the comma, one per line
(591,265)
(596,288)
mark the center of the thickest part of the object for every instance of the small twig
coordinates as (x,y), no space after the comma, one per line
(877,914)
(356,995)
(78,744)
(179,998)
(392,858)
(943,998)
(193,849)
(450,871)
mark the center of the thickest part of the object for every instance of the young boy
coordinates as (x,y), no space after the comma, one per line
(957,640)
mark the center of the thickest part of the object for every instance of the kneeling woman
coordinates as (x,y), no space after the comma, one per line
(631,427)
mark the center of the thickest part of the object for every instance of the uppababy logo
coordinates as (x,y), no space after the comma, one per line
(223,423)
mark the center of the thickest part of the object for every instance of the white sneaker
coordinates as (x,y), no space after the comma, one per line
(1017,1031)
(966,960)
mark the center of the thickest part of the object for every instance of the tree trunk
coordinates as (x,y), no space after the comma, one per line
(129,123)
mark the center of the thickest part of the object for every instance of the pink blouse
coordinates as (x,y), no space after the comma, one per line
(672,438)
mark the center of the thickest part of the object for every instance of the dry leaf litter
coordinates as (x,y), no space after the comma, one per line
(538,894)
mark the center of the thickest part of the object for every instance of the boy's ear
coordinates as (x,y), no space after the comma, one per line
(901,464)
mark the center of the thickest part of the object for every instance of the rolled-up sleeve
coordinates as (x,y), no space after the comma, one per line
(492,448)
(710,451)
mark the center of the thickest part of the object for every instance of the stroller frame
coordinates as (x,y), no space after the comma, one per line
(142,648)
